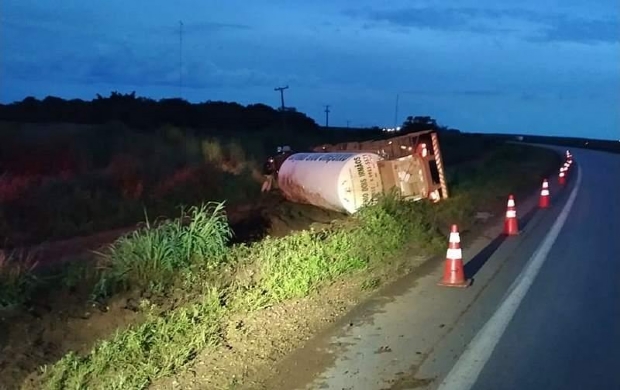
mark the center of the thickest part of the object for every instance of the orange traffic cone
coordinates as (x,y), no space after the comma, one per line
(562,177)
(543,203)
(511,226)
(453,273)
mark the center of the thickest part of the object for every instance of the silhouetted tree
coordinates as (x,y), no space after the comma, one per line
(147,114)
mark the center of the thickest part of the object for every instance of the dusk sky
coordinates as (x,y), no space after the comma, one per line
(530,66)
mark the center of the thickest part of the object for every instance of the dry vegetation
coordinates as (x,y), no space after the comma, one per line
(88,181)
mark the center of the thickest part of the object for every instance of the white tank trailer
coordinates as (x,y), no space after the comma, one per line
(336,181)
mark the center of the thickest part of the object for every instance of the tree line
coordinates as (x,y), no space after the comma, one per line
(144,114)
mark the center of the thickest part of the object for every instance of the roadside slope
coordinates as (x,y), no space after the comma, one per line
(266,299)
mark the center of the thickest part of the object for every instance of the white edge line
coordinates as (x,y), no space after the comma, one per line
(464,373)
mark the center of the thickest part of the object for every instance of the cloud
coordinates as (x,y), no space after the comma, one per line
(122,65)
(479,93)
(28,18)
(434,18)
(564,29)
(205,27)
(533,26)
(128,56)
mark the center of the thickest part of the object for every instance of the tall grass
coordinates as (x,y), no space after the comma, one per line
(151,257)
(17,279)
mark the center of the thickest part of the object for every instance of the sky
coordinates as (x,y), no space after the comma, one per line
(531,67)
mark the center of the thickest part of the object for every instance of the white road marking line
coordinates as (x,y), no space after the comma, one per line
(465,372)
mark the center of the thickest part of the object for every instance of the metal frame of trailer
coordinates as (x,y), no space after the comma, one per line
(399,149)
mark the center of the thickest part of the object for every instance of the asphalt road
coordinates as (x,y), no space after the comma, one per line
(566,332)
(543,311)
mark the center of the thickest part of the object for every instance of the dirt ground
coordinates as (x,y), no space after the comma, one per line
(254,344)
(53,325)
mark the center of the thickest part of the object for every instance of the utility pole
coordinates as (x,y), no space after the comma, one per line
(348,122)
(327,116)
(396,111)
(281,89)
(396,124)
(282,107)
(180,59)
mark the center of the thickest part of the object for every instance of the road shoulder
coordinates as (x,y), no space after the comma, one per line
(383,342)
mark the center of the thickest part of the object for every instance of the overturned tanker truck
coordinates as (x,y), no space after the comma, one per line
(345,177)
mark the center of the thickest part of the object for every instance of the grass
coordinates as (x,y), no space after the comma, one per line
(151,257)
(216,280)
(17,279)
(133,358)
